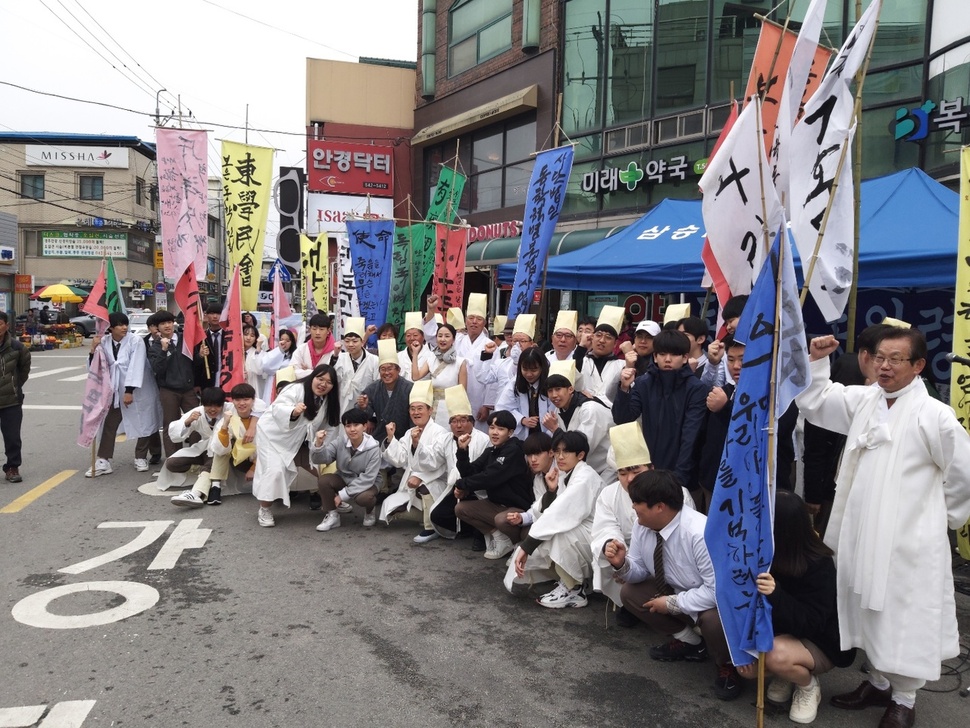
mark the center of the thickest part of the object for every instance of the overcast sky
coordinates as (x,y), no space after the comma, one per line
(219,55)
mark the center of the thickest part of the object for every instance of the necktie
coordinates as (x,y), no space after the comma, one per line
(534,406)
(355,363)
(659,577)
(318,401)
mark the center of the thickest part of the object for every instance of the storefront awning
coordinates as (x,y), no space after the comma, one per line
(506,250)
(472,119)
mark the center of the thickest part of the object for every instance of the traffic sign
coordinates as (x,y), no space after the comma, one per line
(282,270)
(160,287)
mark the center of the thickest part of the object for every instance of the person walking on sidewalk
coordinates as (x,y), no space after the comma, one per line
(14,370)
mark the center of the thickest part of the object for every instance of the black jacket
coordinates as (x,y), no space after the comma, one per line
(502,472)
(14,370)
(173,370)
(389,409)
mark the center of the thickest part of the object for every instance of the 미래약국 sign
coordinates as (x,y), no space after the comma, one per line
(61,244)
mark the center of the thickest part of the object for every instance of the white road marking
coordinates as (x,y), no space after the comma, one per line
(74,407)
(33,612)
(68,714)
(78,378)
(50,372)
(150,533)
(22,716)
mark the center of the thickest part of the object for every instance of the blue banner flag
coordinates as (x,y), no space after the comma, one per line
(738,532)
(544,201)
(371,245)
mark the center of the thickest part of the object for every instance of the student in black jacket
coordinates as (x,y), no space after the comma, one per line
(502,473)
(801,591)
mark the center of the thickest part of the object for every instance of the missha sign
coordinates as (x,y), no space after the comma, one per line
(43,155)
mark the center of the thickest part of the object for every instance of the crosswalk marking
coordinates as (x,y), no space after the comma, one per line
(74,407)
(50,372)
(78,378)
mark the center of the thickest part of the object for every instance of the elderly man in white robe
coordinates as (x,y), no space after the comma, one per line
(565,342)
(136,405)
(904,474)
(469,345)
(427,454)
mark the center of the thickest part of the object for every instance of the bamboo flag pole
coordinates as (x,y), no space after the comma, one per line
(410,254)
(545,266)
(835,185)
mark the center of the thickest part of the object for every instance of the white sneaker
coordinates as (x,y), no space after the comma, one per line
(101,467)
(141,465)
(779,691)
(500,547)
(189,499)
(561,597)
(370,519)
(345,507)
(804,703)
(265,518)
(330,521)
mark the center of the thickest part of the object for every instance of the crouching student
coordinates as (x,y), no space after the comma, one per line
(540,459)
(426,453)
(231,451)
(501,472)
(801,591)
(194,429)
(559,535)
(668,578)
(358,459)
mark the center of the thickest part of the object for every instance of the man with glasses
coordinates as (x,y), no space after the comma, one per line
(565,344)
(600,369)
(904,473)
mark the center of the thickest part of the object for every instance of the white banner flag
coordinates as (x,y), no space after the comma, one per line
(347,304)
(818,143)
(733,211)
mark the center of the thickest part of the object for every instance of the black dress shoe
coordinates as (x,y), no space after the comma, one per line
(898,716)
(478,542)
(864,696)
(155,459)
(316,502)
(625,619)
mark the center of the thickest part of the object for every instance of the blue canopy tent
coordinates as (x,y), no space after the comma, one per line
(908,239)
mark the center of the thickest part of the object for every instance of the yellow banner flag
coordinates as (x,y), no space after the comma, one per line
(315,259)
(247,180)
(960,380)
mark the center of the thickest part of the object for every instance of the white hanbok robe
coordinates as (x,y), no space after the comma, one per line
(517,403)
(471,352)
(580,384)
(904,476)
(602,386)
(433,462)
(278,440)
(270,363)
(425,358)
(255,375)
(352,383)
(594,420)
(131,369)
(564,529)
(178,432)
(478,444)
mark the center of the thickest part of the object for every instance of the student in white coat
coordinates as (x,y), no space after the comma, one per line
(577,412)
(427,454)
(496,373)
(283,433)
(136,404)
(559,535)
(526,396)
(601,369)
(194,429)
(356,367)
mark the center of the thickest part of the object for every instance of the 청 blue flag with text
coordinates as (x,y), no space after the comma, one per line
(371,245)
(543,203)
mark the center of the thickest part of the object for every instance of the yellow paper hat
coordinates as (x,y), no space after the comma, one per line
(387,352)
(889,321)
(457,402)
(438,319)
(456,318)
(422,393)
(413,320)
(567,320)
(355,325)
(676,312)
(498,325)
(477,305)
(286,374)
(566,368)
(629,447)
(612,316)
(525,323)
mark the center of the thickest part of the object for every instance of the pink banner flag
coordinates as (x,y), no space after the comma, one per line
(281,309)
(98,395)
(449,266)
(183,199)
(233,359)
(187,298)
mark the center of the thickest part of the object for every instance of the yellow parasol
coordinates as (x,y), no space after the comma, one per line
(61,293)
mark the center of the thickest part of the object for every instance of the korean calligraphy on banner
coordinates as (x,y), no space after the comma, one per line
(315,261)
(447,196)
(449,266)
(348,305)
(183,199)
(736,201)
(960,376)
(371,245)
(821,174)
(769,69)
(233,370)
(98,396)
(187,298)
(247,180)
(739,528)
(543,203)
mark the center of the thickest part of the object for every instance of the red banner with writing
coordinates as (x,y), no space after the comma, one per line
(448,282)
(233,369)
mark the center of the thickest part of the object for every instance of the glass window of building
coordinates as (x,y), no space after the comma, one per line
(901,34)
(682,32)
(32,186)
(90,187)
(139,191)
(477,31)
(629,71)
(734,38)
(584,64)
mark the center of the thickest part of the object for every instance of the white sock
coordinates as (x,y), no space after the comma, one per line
(688,636)
(878,680)
(906,699)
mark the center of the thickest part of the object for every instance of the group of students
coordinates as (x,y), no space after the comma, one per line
(590,465)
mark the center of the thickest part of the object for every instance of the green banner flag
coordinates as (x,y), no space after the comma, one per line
(447,196)
(115,302)
(412,266)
